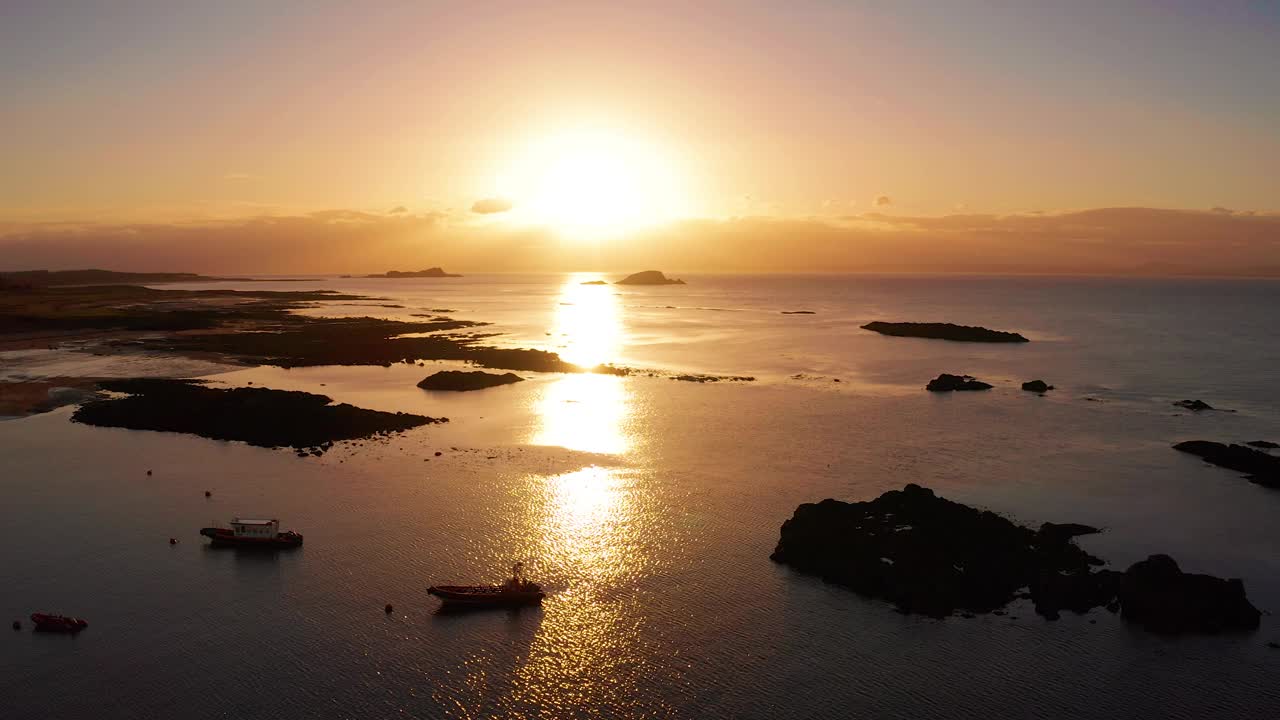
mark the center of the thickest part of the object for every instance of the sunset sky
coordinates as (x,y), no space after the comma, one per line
(453,132)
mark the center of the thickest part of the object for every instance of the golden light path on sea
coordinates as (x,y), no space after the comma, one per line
(589,528)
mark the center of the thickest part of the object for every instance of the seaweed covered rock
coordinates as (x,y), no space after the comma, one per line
(462,381)
(1156,594)
(944,331)
(257,416)
(949,383)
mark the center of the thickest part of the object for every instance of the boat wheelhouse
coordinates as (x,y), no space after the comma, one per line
(252,532)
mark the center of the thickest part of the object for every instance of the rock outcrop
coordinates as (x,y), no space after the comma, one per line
(928,555)
(949,383)
(944,331)
(1196,405)
(1157,595)
(649,277)
(1037,386)
(1262,468)
(462,381)
(1266,444)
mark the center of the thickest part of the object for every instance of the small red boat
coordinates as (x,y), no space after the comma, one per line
(58,623)
(514,592)
(252,533)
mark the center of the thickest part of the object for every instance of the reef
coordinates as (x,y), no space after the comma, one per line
(257,416)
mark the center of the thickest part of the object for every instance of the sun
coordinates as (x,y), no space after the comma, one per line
(596,183)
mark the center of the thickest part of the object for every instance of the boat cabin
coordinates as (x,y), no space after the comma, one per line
(255,528)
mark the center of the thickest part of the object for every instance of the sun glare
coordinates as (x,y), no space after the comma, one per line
(594,183)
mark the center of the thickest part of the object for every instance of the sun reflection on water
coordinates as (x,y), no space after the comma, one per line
(591,533)
(587,411)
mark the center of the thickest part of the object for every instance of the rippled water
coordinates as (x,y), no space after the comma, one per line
(648,508)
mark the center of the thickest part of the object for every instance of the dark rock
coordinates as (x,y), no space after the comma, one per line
(1038,386)
(1263,444)
(649,277)
(1062,532)
(944,331)
(929,555)
(713,378)
(258,416)
(1262,468)
(1156,594)
(462,381)
(948,383)
(1196,405)
(798,312)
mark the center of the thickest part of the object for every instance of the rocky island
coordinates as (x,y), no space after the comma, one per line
(944,331)
(257,416)
(649,277)
(1037,386)
(929,555)
(1261,468)
(434,272)
(463,381)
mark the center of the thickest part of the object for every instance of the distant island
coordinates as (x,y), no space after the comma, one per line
(594,282)
(649,277)
(434,272)
(56,278)
(944,331)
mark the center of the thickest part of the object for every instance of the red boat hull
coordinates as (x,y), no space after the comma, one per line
(224,537)
(57,623)
(485,595)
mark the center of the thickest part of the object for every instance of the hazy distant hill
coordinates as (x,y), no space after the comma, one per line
(434,272)
(48,278)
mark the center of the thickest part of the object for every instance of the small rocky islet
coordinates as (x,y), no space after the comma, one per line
(433,272)
(929,555)
(649,277)
(464,381)
(944,331)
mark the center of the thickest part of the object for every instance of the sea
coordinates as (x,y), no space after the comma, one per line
(648,508)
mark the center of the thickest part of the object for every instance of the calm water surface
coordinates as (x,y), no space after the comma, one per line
(648,509)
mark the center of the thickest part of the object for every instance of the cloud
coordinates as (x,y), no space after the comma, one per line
(489,206)
(398,210)
(1136,241)
(883,201)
